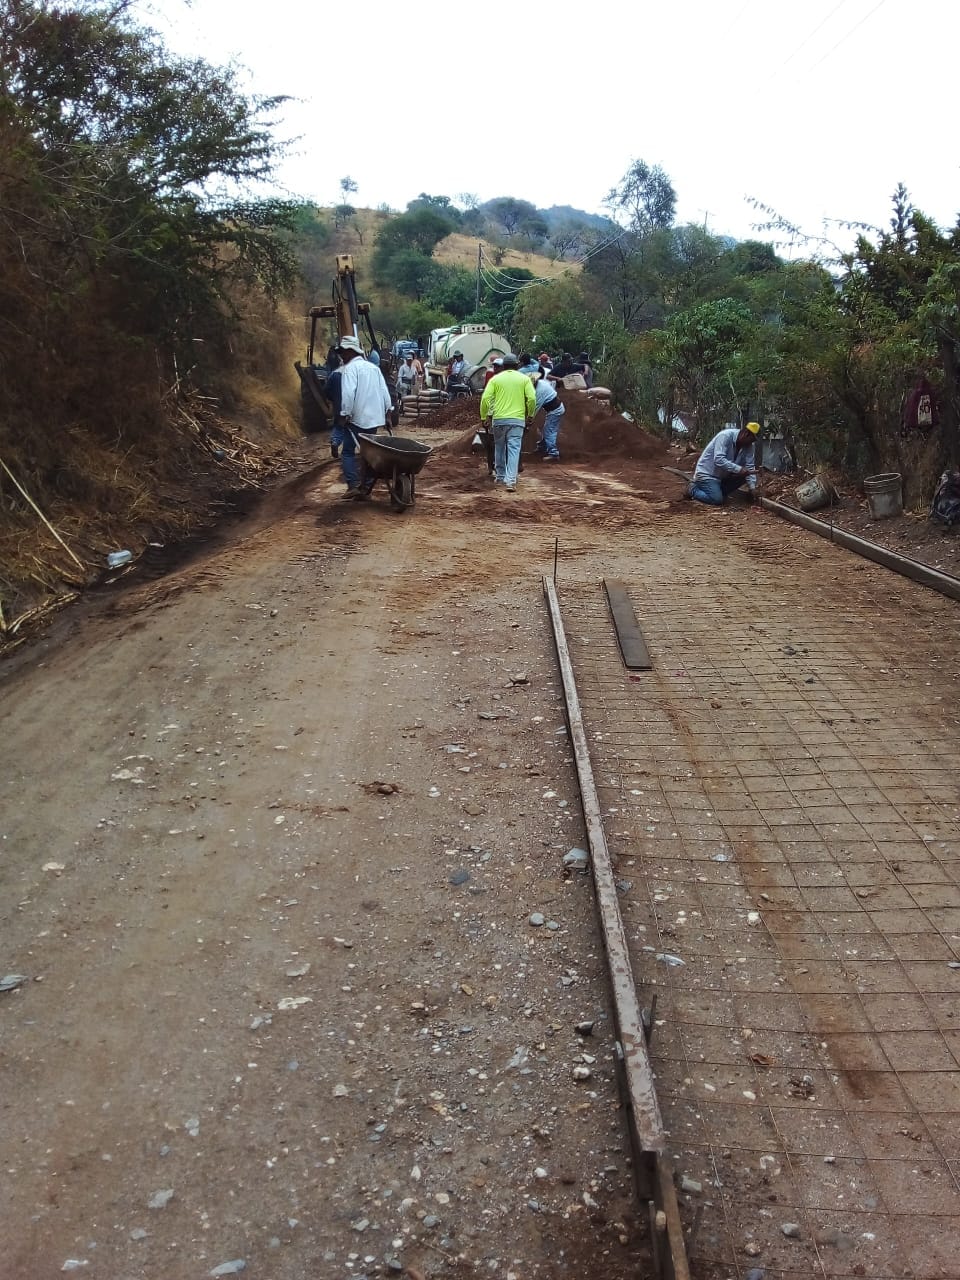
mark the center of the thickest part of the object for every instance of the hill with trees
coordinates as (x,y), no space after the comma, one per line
(146,315)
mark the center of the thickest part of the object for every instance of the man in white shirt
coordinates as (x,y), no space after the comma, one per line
(365,408)
(407,376)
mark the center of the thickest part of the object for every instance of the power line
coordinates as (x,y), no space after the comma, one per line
(849,34)
(509,280)
(803,44)
(507,284)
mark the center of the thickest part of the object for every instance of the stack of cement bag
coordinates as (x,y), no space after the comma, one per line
(422,402)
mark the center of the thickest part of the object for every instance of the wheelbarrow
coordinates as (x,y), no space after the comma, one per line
(396,461)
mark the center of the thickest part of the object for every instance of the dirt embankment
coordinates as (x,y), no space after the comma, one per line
(171,466)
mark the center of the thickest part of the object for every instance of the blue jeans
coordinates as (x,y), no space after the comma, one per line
(714,492)
(551,428)
(507,439)
(338,433)
(354,470)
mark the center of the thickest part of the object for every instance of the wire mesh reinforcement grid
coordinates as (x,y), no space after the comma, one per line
(782,796)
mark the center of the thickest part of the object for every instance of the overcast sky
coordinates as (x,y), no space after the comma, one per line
(817,109)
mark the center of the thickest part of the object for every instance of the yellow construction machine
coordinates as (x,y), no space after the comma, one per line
(346,313)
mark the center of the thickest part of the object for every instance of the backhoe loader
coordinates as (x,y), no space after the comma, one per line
(345,312)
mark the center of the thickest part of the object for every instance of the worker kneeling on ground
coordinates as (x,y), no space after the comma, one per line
(508,399)
(726,463)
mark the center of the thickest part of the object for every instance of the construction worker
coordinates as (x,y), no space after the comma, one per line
(565,366)
(365,408)
(726,463)
(548,400)
(495,366)
(508,400)
(455,368)
(407,376)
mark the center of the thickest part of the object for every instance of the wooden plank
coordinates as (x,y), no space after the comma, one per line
(629,636)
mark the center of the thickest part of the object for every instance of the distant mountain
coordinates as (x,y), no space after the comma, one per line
(562,214)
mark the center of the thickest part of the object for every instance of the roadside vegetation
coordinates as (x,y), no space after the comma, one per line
(152,300)
(132,288)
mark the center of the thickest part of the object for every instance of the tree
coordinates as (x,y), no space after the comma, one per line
(696,351)
(342,213)
(453,290)
(410,273)
(554,316)
(566,238)
(348,188)
(422,229)
(510,213)
(441,204)
(532,231)
(645,197)
(117,155)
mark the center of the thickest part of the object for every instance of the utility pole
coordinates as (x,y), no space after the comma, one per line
(479,259)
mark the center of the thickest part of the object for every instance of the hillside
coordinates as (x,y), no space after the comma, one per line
(461,250)
(359,238)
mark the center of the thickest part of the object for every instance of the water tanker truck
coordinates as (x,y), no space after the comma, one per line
(476,342)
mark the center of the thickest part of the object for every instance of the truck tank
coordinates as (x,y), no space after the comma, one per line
(478,342)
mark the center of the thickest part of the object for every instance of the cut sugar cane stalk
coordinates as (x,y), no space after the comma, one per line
(26,495)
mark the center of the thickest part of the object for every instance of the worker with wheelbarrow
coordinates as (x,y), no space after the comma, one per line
(508,400)
(365,408)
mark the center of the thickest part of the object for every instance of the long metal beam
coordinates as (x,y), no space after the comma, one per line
(651,1162)
(912,569)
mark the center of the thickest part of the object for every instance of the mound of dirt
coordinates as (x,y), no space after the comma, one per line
(590,432)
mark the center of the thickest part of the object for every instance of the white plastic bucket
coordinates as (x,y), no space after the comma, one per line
(885,494)
(813,494)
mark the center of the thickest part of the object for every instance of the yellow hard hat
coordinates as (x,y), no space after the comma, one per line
(753,428)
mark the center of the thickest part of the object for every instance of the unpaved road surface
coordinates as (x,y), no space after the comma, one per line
(275,824)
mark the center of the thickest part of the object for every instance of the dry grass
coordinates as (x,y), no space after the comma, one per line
(458,250)
(158,472)
(455,250)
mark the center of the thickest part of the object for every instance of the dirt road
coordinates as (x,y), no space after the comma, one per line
(278,830)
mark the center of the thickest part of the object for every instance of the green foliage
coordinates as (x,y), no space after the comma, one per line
(422,230)
(115,155)
(553,317)
(645,197)
(409,272)
(849,355)
(418,318)
(699,349)
(439,204)
(454,290)
(510,214)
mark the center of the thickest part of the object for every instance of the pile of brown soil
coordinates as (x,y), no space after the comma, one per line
(602,456)
(590,432)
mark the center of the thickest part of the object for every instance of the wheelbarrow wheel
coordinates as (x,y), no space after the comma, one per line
(402,492)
